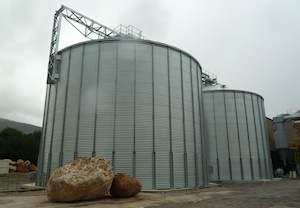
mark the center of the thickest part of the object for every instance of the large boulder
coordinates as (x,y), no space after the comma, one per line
(125,186)
(81,179)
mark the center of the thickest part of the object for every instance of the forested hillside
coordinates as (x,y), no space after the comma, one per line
(19,141)
(23,127)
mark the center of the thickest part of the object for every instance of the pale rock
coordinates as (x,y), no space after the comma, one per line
(12,168)
(20,161)
(125,186)
(81,179)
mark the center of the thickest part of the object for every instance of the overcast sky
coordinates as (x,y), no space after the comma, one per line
(250,45)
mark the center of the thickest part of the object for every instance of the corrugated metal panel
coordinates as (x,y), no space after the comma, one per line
(105,115)
(72,107)
(191,170)
(124,112)
(201,143)
(188,105)
(57,139)
(123,162)
(105,154)
(124,134)
(41,158)
(161,103)
(176,111)
(161,117)
(211,135)
(252,137)
(201,173)
(54,161)
(233,137)
(68,156)
(89,80)
(196,102)
(162,170)
(189,141)
(221,136)
(45,162)
(104,133)
(124,124)
(179,171)
(243,135)
(259,135)
(48,131)
(144,169)
(189,137)
(61,94)
(143,116)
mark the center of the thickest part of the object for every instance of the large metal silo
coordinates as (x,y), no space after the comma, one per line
(236,135)
(137,103)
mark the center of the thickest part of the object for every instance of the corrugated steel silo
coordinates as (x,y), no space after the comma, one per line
(236,135)
(137,103)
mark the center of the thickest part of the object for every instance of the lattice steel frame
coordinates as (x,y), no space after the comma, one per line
(91,27)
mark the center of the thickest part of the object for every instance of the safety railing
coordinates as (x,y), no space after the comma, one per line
(129,31)
(20,181)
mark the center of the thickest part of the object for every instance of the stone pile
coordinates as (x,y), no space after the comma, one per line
(87,179)
(21,166)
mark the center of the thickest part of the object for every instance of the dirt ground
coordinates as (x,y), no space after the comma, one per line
(275,193)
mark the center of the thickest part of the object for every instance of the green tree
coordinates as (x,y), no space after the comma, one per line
(32,145)
(9,133)
(11,143)
(14,145)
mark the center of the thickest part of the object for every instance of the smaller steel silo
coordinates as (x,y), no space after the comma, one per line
(236,135)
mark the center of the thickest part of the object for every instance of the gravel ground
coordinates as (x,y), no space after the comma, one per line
(276,194)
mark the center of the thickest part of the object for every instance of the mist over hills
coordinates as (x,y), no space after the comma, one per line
(25,128)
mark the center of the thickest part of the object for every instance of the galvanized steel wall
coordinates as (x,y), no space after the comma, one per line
(136,103)
(236,135)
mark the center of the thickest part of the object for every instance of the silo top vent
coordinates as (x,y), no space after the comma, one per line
(89,28)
